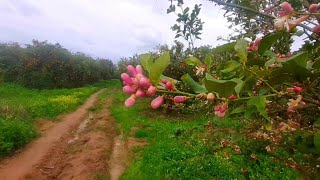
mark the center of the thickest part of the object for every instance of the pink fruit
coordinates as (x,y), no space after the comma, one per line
(139,69)
(297,89)
(126,78)
(151,91)
(130,101)
(287,8)
(210,97)
(179,99)
(157,102)
(313,8)
(316,29)
(144,82)
(132,70)
(128,89)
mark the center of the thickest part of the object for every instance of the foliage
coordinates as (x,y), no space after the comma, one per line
(44,65)
(189,24)
(191,146)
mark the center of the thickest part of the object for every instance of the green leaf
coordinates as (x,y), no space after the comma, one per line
(224,48)
(238,110)
(260,103)
(268,63)
(224,88)
(241,49)
(158,67)
(230,66)
(197,88)
(146,61)
(193,61)
(249,111)
(268,40)
(316,141)
(316,64)
(208,62)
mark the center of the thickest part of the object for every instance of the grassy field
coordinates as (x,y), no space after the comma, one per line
(192,148)
(20,107)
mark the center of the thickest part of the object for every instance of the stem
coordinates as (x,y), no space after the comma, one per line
(246,98)
(264,81)
(176,92)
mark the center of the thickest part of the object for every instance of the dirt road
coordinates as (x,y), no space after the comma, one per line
(82,145)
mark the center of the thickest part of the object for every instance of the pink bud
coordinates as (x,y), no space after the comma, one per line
(313,8)
(126,78)
(210,97)
(157,102)
(144,82)
(287,8)
(257,42)
(124,83)
(140,93)
(132,70)
(316,29)
(291,109)
(302,103)
(297,89)
(179,99)
(130,101)
(139,69)
(128,89)
(223,108)
(232,97)
(217,107)
(220,114)
(151,91)
(169,85)
(164,81)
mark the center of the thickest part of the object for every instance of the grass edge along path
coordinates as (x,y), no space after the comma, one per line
(20,107)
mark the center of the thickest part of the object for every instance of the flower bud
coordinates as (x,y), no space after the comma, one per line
(164,81)
(130,101)
(128,89)
(126,78)
(151,91)
(169,85)
(139,69)
(223,108)
(179,99)
(210,97)
(232,97)
(287,8)
(297,89)
(140,93)
(157,102)
(217,107)
(132,70)
(144,82)
(124,83)
(220,114)
(316,29)
(313,8)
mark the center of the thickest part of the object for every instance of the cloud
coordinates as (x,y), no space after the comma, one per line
(101,28)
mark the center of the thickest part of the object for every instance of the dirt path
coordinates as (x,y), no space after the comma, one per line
(83,145)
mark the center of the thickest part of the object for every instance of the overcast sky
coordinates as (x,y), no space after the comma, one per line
(102,28)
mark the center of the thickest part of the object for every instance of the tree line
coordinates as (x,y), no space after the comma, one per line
(44,65)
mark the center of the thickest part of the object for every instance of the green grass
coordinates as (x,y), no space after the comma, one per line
(20,107)
(184,148)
